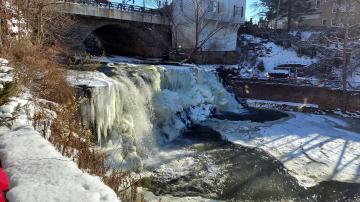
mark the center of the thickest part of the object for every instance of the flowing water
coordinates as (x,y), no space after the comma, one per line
(199,163)
(148,116)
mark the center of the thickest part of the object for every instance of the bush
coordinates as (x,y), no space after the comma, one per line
(57,118)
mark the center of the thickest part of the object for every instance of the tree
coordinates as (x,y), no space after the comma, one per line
(342,39)
(292,10)
(200,21)
(1,22)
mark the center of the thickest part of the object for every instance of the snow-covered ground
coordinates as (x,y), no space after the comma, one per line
(36,171)
(304,35)
(150,197)
(313,148)
(267,104)
(278,55)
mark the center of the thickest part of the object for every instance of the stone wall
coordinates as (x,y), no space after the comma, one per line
(119,36)
(327,99)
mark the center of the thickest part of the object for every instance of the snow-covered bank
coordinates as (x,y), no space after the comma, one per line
(314,148)
(150,197)
(291,106)
(276,55)
(37,172)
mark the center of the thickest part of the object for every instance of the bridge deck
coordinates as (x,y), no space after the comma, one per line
(111,10)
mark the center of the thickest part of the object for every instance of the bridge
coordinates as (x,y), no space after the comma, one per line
(117,28)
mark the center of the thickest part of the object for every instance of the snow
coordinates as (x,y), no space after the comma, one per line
(150,197)
(276,104)
(6,75)
(279,55)
(37,172)
(304,35)
(314,148)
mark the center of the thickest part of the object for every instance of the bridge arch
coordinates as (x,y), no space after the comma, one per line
(129,39)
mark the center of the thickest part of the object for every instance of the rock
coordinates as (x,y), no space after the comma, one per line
(6,69)
(133,161)
(5,116)
(4,61)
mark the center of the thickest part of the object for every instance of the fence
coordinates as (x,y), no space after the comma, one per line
(118,6)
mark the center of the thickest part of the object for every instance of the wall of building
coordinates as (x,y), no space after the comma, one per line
(224,18)
(331,14)
(328,14)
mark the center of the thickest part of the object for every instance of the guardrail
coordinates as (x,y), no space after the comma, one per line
(301,82)
(117,6)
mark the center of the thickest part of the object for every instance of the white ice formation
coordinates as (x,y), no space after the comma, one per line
(135,107)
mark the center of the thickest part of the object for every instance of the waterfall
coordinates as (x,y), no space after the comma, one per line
(133,108)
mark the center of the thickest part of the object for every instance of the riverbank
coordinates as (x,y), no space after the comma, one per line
(314,148)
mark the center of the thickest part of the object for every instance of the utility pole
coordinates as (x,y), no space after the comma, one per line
(346,54)
(277,15)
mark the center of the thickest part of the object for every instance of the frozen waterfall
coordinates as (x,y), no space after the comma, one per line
(132,108)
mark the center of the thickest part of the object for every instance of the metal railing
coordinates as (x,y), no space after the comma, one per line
(336,84)
(118,6)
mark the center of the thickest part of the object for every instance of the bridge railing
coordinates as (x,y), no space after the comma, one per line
(117,6)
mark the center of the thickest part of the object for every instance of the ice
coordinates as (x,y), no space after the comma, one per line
(141,105)
(314,148)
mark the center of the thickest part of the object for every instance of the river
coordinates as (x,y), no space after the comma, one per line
(181,129)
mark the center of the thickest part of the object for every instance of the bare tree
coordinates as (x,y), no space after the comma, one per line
(1,22)
(343,38)
(202,19)
(38,18)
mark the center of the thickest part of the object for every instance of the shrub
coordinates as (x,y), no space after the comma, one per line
(57,117)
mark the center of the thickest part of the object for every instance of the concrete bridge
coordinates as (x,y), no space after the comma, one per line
(116,28)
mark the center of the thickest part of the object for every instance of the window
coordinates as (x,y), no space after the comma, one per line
(181,5)
(318,3)
(324,22)
(214,6)
(334,8)
(238,11)
(333,22)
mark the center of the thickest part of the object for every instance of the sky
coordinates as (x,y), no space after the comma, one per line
(250,10)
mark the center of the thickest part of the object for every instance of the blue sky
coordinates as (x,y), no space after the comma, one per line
(250,10)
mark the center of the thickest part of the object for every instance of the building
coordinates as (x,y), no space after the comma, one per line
(326,13)
(210,25)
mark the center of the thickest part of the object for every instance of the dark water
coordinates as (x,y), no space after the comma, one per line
(253,115)
(242,174)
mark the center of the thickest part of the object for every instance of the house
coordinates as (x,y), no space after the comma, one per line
(325,13)
(209,25)
(331,13)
